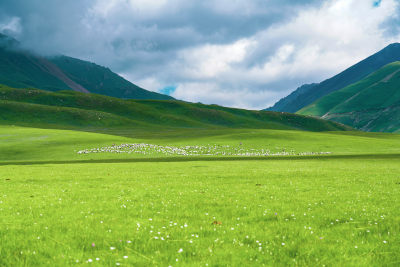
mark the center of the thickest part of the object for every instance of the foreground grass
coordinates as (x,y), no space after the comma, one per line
(275,212)
(216,211)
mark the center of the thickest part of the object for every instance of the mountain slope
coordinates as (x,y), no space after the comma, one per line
(101,80)
(372,104)
(351,75)
(290,102)
(69,109)
(20,68)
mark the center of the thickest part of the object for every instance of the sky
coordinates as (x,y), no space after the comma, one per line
(238,53)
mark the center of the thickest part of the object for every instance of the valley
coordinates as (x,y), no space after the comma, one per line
(96,170)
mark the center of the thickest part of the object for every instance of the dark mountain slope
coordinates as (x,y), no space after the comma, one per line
(290,102)
(20,68)
(101,80)
(351,75)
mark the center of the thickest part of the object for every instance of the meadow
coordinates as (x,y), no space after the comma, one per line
(62,208)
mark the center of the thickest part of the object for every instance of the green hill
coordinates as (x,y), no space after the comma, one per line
(304,96)
(372,104)
(75,110)
(21,69)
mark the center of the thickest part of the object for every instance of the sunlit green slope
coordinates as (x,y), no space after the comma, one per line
(372,104)
(32,144)
(69,109)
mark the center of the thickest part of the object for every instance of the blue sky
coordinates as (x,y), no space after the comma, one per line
(241,53)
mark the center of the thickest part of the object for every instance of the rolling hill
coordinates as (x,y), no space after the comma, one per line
(75,110)
(303,97)
(21,69)
(372,104)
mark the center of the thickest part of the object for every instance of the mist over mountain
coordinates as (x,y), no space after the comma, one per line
(21,68)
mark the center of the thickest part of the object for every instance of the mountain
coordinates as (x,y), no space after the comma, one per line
(21,69)
(372,104)
(301,98)
(290,103)
(75,110)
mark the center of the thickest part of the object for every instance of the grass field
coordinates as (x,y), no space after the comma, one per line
(60,208)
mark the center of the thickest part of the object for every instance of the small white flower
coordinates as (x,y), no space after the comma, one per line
(384,241)
(283,244)
(90,260)
(97,259)
(125,257)
(112,248)
(180,250)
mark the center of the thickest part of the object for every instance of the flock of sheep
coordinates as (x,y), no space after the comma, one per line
(207,150)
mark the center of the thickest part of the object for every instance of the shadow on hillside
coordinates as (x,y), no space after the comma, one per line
(188,159)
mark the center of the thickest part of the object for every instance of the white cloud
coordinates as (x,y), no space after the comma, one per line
(11,26)
(150,83)
(330,38)
(211,93)
(148,5)
(234,7)
(315,45)
(209,61)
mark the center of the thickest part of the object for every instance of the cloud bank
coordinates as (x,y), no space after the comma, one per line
(236,53)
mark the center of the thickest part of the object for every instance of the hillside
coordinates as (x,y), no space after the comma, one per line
(372,104)
(69,109)
(302,98)
(21,69)
(291,102)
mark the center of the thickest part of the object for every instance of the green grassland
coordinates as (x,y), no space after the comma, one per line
(59,208)
(62,208)
(73,110)
(19,144)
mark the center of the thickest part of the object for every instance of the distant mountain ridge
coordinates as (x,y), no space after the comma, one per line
(21,69)
(301,98)
(371,104)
